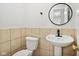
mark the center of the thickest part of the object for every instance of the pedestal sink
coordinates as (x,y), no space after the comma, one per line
(59,42)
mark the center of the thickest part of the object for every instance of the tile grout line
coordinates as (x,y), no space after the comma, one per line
(21,37)
(10,41)
(7,41)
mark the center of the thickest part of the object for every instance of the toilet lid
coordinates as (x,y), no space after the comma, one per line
(23,53)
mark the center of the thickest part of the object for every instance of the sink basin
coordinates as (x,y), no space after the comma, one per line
(59,42)
(63,41)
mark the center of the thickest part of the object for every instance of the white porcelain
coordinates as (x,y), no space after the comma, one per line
(63,41)
(31,43)
(59,42)
(23,53)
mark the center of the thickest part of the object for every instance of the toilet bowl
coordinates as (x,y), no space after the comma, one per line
(31,43)
(23,53)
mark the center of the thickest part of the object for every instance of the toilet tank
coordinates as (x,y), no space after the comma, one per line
(31,43)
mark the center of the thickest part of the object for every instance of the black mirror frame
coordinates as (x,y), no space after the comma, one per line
(68,19)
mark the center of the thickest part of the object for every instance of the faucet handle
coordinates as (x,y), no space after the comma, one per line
(58,33)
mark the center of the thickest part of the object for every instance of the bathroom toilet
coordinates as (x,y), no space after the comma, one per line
(31,43)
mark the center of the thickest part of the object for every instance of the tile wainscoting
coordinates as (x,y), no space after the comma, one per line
(13,40)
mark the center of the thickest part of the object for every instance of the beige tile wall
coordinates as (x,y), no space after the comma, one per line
(4,35)
(4,42)
(13,40)
(5,48)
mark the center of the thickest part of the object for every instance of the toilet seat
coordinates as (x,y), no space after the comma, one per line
(23,53)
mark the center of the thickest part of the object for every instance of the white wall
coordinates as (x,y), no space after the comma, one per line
(28,15)
(11,15)
(34,18)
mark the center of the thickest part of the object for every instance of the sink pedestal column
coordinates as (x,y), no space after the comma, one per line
(57,51)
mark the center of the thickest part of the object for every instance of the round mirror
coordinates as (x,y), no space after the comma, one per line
(60,14)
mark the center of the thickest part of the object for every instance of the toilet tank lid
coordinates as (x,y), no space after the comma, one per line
(31,38)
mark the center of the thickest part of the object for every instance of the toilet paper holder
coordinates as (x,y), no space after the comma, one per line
(75,47)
